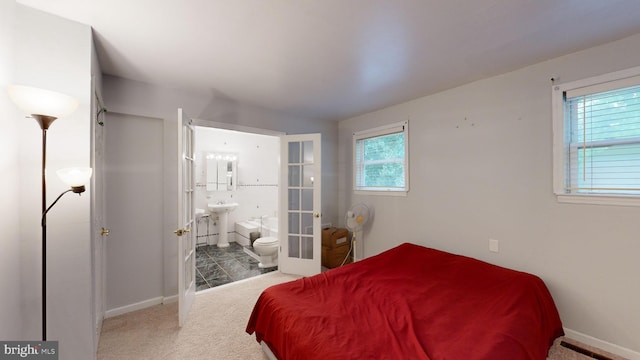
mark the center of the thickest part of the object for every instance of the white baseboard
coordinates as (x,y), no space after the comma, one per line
(170,299)
(601,344)
(133,307)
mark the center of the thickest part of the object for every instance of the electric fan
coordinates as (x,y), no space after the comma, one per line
(356,217)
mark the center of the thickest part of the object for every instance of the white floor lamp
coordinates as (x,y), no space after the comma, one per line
(46,106)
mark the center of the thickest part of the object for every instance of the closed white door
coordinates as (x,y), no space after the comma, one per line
(133,185)
(300,194)
(186,217)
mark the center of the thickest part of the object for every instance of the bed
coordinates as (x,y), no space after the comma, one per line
(410,302)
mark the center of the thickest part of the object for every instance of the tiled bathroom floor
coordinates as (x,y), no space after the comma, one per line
(218,266)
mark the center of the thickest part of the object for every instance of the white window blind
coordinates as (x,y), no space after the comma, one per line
(602,138)
(381,159)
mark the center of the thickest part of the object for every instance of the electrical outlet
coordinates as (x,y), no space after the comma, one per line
(494,245)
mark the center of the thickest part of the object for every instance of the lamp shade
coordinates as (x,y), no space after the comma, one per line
(75,177)
(36,101)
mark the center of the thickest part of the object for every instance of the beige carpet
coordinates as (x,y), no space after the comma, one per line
(215,329)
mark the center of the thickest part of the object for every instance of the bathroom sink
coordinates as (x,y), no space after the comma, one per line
(221,208)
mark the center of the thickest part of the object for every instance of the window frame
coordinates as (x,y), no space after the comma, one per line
(399,127)
(559,165)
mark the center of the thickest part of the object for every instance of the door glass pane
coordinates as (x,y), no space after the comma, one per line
(307,223)
(307,200)
(294,223)
(294,175)
(294,199)
(294,153)
(307,152)
(308,175)
(307,247)
(294,246)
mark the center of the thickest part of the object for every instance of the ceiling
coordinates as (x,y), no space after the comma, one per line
(333,59)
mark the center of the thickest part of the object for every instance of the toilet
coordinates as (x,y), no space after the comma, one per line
(267,248)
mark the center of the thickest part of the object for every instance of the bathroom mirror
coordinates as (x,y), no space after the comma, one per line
(221,171)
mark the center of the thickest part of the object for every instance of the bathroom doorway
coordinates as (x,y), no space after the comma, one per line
(234,165)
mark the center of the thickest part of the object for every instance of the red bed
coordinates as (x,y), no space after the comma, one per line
(409,302)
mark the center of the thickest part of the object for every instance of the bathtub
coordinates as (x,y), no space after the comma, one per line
(267,226)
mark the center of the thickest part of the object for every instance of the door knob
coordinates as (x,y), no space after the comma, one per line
(316,215)
(105,232)
(181,232)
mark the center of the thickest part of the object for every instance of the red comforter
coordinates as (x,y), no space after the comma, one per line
(409,302)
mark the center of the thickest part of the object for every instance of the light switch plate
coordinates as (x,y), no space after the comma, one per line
(494,245)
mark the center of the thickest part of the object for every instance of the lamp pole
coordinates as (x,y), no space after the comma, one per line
(44,121)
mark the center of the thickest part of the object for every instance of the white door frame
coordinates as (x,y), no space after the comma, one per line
(99,228)
(308,267)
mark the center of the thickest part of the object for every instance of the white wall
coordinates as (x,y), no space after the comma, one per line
(132,97)
(10,300)
(54,53)
(257,174)
(481,167)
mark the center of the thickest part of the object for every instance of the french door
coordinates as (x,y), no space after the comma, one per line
(186,217)
(300,204)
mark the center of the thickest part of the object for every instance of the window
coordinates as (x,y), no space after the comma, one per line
(597,139)
(381,160)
